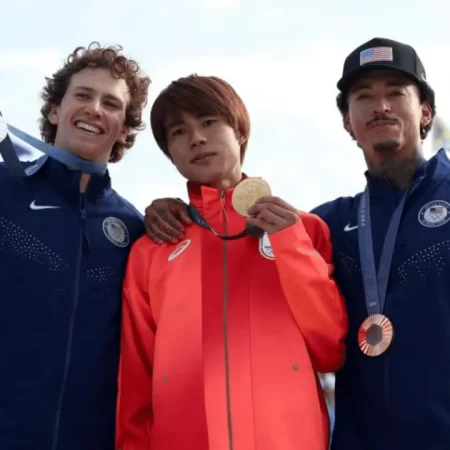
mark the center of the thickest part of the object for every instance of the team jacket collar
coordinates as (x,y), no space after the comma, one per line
(431,171)
(215,206)
(66,179)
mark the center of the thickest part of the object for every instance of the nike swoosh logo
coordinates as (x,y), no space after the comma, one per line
(35,207)
(349,228)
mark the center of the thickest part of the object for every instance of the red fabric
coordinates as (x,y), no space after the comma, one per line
(284,320)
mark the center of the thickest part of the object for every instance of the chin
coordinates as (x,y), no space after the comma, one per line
(203,177)
(386,146)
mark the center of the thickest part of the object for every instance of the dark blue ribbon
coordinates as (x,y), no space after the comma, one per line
(250,230)
(9,151)
(375,285)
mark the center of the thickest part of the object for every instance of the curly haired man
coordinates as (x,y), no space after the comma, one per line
(65,235)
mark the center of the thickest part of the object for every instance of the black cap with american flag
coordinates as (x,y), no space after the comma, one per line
(381,53)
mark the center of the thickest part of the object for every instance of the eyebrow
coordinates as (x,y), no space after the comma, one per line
(172,123)
(89,89)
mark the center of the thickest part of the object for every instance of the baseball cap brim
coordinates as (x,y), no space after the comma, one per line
(345,82)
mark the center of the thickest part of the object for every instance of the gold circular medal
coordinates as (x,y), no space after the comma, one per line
(247,192)
(375,335)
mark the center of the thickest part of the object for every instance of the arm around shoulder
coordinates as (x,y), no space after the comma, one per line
(134,404)
(303,255)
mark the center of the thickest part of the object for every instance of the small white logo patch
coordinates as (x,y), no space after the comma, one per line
(265,248)
(434,214)
(116,231)
(35,207)
(179,250)
(349,228)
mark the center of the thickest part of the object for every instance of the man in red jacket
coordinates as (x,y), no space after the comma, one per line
(224,333)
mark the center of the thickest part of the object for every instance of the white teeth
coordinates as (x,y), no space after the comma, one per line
(87,127)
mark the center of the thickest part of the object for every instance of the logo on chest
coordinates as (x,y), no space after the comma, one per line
(265,248)
(434,214)
(116,231)
(179,250)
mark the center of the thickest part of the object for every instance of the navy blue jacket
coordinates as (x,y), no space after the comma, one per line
(399,400)
(62,260)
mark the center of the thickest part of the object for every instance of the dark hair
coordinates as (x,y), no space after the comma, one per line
(426,96)
(199,96)
(95,56)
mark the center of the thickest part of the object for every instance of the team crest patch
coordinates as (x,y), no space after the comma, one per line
(179,250)
(116,231)
(434,214)
(265,248)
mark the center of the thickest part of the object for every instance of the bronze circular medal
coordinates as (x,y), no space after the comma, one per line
(247,192)
(375,335)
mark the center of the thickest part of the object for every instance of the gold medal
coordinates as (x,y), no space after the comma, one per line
(247,192)
(375,335)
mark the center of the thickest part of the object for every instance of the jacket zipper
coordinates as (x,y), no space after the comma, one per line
(72,321)
(225,324)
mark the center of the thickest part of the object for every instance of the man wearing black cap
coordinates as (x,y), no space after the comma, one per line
(391,250)
(392,259)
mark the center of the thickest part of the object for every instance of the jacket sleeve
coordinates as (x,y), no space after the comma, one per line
(303,255)
(134,403)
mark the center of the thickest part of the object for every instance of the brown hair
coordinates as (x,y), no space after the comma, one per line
(199,96)
(95,56)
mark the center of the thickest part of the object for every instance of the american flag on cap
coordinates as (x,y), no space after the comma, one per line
(375,54)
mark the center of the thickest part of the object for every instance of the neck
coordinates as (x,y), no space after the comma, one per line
(231,180)
(399,171)
(84,180)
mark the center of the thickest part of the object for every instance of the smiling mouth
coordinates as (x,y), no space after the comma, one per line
(84,126)
(202,157)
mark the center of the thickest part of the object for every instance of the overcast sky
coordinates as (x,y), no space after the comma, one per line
(283,58)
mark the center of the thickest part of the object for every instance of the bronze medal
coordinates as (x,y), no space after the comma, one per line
(247,192)
(375,335)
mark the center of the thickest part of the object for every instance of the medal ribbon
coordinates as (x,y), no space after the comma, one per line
(375,285)
(250,230)
(12,161)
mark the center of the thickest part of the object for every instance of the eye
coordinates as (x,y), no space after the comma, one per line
(363,97)
(396,93)
(209,122)
(111,105)
(177,132)
(82,96)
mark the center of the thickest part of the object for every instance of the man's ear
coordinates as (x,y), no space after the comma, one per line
(123,134)
(53,115)
(427,115)
(347,124)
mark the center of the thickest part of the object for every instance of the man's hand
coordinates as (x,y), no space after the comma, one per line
(163,220)
(272,214)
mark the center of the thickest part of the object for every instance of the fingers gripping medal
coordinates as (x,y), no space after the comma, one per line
(375,335)
(247,193)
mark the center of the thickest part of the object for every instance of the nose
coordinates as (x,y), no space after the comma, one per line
(93,108)
(198,138)
(381,106)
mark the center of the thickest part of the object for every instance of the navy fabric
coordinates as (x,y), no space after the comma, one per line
(399,400)
(62,261)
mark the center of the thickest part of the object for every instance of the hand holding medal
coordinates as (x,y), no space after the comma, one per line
(252,198)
